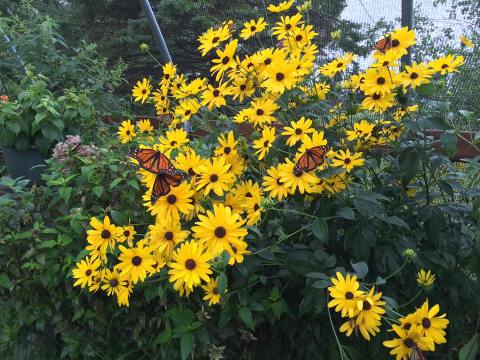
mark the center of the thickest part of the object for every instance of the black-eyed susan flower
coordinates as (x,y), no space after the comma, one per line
(113,281)
(186,108)
(303,181)
(385,60)
(370,310)
(123,296)
(378,102)
(227,145)
(338,65)
(142,90)
(416,75)
(401,40)
(379,81)
(236,163)
(361,130)
(214,97)
(430,324)
(97,280)
(283,6)
(173,139)
(252,27)
(104,234)
(176,202)
(408,341)
(447,64)
(214,175)
(425,278)
(281,75)
(135,263)
(189,266)
(345,294)
(262,112)
(126,132)
(187,161)
(309,141)
(298,131)
(347,160)
(218,229)
(145,126)
(243,87)
(321,90)
(264,144)
(126,233)
(300,37)
(286,26)
(85,271)
(273,184)
(212,294)
(466,42)
(239,249)
(225,60)
(212,38)
(165,235)
(169,70)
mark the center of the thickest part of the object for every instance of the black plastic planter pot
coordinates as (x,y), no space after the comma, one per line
(28,164)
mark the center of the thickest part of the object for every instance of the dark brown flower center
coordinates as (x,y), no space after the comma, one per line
(299,37)
(144,91)
(349,295)
(127,132)
(216,92)
(366,305)
(243,87)
(381,81)
(88,272)
(385,63)
(288,26)
(267,61)
(298,131)
(347,161)
(444,66)
(113,283)
(215,39)
(407,326)
(426,323)
(190,264)
(279,182)
(409,342)
(227,150)
(105,234)
(248,194)
(260,112)
(136,260)
(266,143)
(215,291)
(188,112)
(213,178)
(376,96)
(253,28)
(340,64)
(395,43)
(169,235)
(126,233)
(413,76)
(171,199)
(173,143)
(191,172)
(220,232)
(280,76)
(225,60)
(256,207)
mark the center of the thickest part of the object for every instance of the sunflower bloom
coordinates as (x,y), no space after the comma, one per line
(142,90)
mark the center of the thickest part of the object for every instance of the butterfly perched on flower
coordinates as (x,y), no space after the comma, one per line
(384,44)
(311,159)
(160,165)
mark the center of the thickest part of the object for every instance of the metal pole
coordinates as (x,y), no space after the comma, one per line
(156,30)
(407,20)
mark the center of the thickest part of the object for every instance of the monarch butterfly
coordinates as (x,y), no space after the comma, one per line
(416,354)
(311,159)
(383,44)
(157,163)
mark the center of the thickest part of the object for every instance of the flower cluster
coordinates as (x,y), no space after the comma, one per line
(72,145)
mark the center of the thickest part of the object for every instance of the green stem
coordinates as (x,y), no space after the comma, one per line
(411,300)
(340,347)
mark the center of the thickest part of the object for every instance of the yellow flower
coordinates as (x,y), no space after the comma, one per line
(169,71)
(283,6)
(227,145)
(408,341)
(345,294)
(346,160)
(173,139)
(142,90)
(385,60)
(189,266)
(280,76)
(219,229)
(212,38)
(188,161)
(303,181)
(165,235)
(126,132)
(226,59)
(336,35)
(176,202)
(415,75)
(136,262)
(214,175)
(378,102)
(447,64)
(431,325)
(425,278)
(243,87)
(286,26)
(273,184)
(187,108)
(262,112)
(102,235)
(298,131)
(361,130)
(264,144)
(215,96)
(338,65)
(85,271)
(113,282)
(252,27)
(144,126)
(321,90)
(466,41)
(379,81)
(370,310)
(211,292)
(401,40)
(126,233)
(316,138)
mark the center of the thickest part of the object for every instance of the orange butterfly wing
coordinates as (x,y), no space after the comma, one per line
(151,160)
(164,181)
(384,44)
(311,159)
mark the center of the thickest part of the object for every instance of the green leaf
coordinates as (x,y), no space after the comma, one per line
(426,89)
(186,345)
(164,337)
(449,141)
(321,284)
(471,349)
(115,183)
(98,190)
(65,193)
(320,229)
(346,213)
(468,115)
(222,283)
(246,315)
(277,309)
(380,281)
(133,183)
(47,244)
(361,269)
(5,281)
